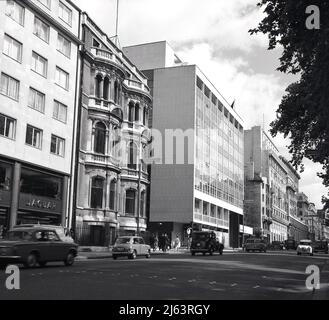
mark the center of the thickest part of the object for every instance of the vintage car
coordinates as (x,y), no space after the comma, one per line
(255,244)
(290,244)
(36,245)
(205,242)
(305,247)
(276,245)
(131,247)
(321,246)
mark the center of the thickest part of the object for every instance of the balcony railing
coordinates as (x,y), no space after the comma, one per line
(134,173)
(211,220)
(106,55)
(137,85)
(102,159)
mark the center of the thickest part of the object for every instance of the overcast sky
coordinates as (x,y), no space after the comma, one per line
(214,35)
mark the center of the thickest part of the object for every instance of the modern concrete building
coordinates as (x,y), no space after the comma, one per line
(112,183)
(198,178)
(297,228)
(39,49)
(265,186)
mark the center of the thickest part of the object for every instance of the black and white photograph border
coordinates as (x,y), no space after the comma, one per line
(159,150)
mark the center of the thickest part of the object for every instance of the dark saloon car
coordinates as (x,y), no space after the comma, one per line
(276,245)
(36,245)
(255,244)
(321,246)
(205,242)
(290,244)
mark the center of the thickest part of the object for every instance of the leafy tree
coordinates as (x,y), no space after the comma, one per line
(303,114)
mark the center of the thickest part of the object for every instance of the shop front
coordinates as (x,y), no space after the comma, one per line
(6,171)
(42,198)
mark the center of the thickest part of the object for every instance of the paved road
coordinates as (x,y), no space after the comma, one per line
(181,276)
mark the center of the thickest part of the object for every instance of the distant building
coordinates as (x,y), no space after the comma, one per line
(39,45)
(204,189)
(265,203)
(297,228)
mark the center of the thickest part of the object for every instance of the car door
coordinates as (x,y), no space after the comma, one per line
(136,246)
(142,246)
(57,248)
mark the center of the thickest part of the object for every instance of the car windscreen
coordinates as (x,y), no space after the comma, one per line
(19,236)
(122,240)
(305,243)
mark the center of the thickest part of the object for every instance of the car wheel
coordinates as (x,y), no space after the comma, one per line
(193,253)
(42,264)
(204,253)
(69,259)
(133,255)
(211,251)
(298,253)
(311,254)
(221,252)
(114,257)
(148,255)
(31,261)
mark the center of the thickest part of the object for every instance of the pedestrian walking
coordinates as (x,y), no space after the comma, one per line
(177,243)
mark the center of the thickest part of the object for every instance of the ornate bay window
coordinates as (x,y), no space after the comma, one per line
(97,190)
(100,138)
(130,202)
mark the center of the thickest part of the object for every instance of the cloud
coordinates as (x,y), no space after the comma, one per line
(214,35)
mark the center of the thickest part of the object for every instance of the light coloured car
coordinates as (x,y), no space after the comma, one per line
(305,247)
(131,247)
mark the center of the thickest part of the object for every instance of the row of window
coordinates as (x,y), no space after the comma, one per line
(39,64)
(17,11)
(33,135)
(97,197)
(36,101)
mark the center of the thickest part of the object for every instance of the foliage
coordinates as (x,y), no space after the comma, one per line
(303,114)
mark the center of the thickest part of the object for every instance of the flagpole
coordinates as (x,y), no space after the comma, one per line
(116,24)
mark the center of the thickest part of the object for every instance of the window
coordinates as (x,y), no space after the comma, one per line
(137,112)
(131,111)
(9,86)
(12,48)
(41,30)
(96,43)
(64,46)
(112,194)
(36,100)
(39,64)
(62,78)
(60,111)
(97,186)
(142,204)
(33,137)
(46,3)
(65,13)
(5,175)
(132,156)
(40,184)
(99,142)
(7,127)
(57,145)
(15,11)
(130,202)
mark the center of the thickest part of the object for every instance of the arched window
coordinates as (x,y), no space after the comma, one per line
(97,189)
(131,107)
(142,204)
(132,156)
(130,202)
(99,141)
(112,194)
(144,116)
(137,112)
(117,90)
(106,88)
(98,83)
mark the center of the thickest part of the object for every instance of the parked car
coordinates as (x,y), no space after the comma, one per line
(305,247)
(63,233)
(205,242)
(36,245)
(255,244)
(290,244)
(131,247)
(321,246)
(276,245)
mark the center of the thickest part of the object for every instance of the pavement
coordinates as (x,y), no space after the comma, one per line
(175,276)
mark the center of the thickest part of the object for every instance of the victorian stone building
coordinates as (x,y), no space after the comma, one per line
(112,181)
